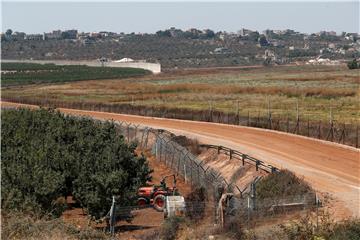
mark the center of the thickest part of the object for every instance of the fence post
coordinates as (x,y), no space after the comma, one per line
(185,177)
(142,137)
(287,124)
(231,153)
(136,128)
(269,114)
(160,149)
(257,165)
(146,139)
(112,216)
(297,126)
(191,170)
(210,111)
(198,173)
(308,127)
(218,149)
(184,158)
(243,157)
(342,135)
(173,155)
(178,168)
(357,137)
(248,212)
(128,132)
(237,120)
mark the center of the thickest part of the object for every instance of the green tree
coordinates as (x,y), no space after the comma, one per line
(8,32)
(353,64)
(47,156)
(263,41)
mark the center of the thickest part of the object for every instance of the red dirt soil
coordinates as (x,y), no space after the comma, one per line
(328,167)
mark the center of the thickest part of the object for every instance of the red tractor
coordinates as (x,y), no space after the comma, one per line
(155,195)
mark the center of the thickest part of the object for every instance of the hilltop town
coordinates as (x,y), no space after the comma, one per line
(176,48)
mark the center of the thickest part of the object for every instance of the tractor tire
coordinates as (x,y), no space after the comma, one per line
(159,202)
(142,202)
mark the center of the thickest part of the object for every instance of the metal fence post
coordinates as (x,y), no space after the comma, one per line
(257,165)
(243,157)
(112,216)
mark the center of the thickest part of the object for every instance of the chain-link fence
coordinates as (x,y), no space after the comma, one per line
(196,173)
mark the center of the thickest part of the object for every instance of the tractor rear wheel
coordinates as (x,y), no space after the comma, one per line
(159,202)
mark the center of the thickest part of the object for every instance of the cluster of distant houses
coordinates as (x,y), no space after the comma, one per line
(57,35)
(270,35)
(54,35)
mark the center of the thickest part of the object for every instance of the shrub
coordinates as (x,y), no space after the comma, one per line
(281,184)
(349,229)
(353,64)
(47,156)
(191,144)
(17,225)
(170,227)
(195,204)
(305,228)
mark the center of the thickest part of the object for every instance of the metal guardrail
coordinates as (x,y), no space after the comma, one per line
(243,157)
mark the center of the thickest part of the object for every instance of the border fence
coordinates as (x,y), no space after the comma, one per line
(236,203)
(227,202)
(347,134)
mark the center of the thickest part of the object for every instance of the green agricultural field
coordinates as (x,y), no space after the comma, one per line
(30,73)
(317,90)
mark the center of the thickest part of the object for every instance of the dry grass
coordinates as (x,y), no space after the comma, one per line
(316,88)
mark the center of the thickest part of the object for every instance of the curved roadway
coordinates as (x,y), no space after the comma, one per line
(328,167)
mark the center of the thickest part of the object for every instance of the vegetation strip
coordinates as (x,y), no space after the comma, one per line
(29,73)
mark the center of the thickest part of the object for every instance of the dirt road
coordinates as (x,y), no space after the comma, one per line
(328,167)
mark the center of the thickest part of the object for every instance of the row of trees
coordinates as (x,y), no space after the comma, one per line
(47,156)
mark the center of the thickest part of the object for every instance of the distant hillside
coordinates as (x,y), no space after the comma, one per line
(181,52)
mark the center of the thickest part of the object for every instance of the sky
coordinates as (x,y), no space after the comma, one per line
(149,17)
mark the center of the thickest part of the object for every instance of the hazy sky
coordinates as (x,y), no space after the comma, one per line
(38,17)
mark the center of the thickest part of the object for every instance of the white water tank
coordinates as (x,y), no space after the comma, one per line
(175,206)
